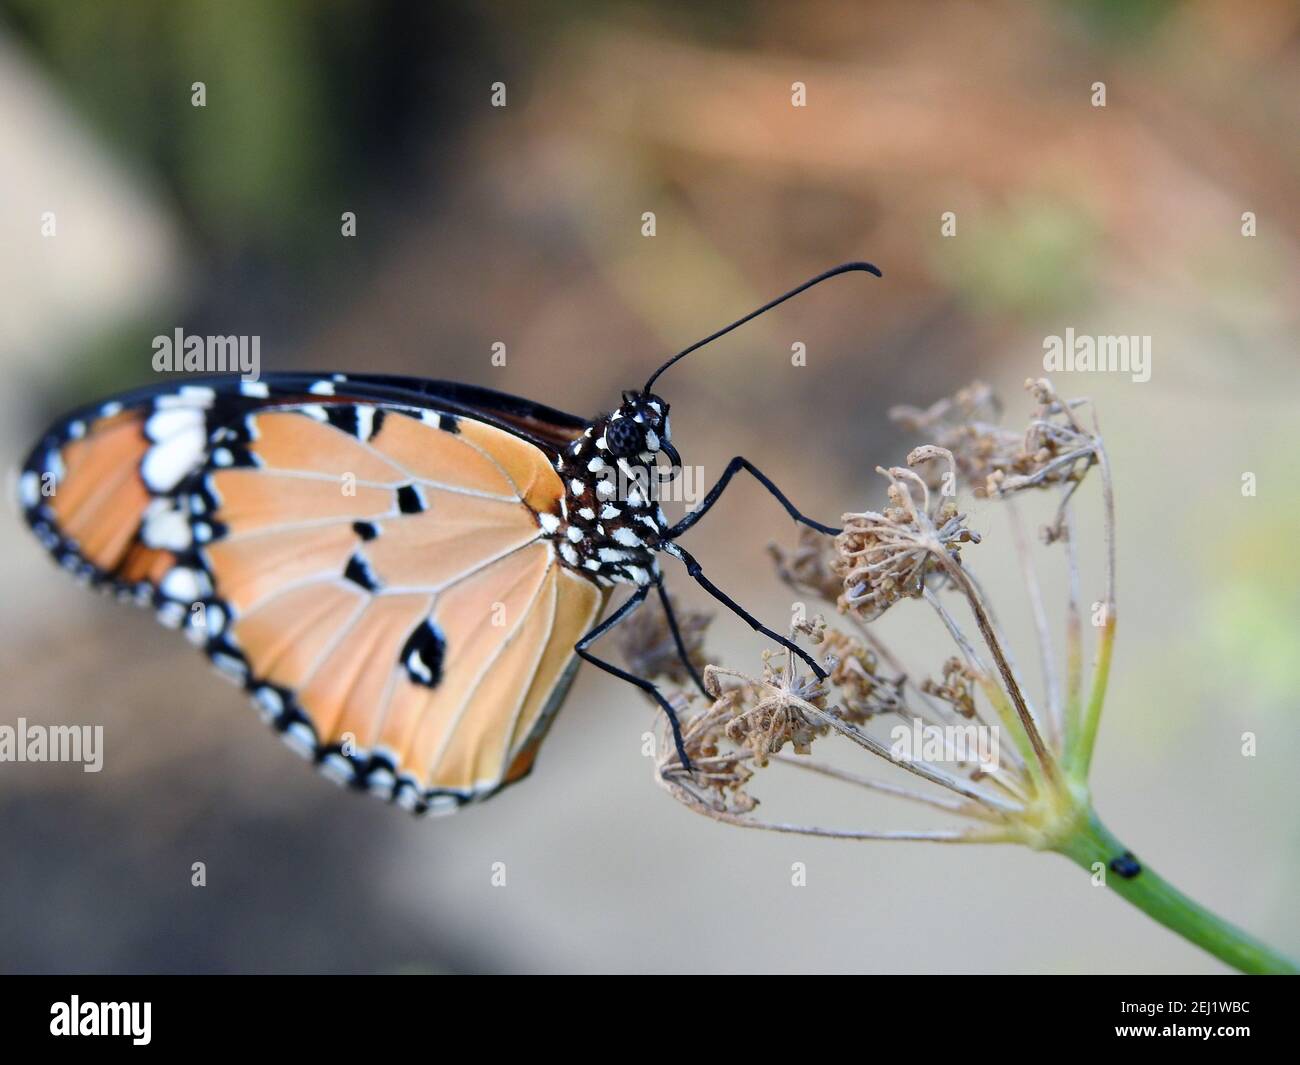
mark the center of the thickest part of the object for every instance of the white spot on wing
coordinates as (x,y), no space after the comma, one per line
(269,701)
(165,424)
(29,489)
(165,527)
(230,666)
(415,665)
(166,464)
(337,768)
(365,422)
(185,396)
(184,584)
(170,615)
(440,805)
(301,738)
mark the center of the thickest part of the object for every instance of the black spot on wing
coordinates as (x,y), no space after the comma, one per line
(449,423)
(343,417)
(409,500)
(358,572)
(422,655)
(367,530)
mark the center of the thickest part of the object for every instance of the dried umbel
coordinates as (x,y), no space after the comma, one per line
(966,426)
(955,688)
(885,556)
(809,567)
(719,770)
(1031,789)
(772,715)
(1053,450)
(858,677)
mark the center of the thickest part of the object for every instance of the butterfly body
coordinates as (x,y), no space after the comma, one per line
(611,524)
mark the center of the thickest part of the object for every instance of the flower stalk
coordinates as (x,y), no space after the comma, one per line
(1092,846)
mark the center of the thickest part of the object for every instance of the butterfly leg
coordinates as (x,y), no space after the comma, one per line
(636,599)
(734,467)
(694,569)
(677,639)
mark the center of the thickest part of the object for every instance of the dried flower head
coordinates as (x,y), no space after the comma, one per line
(774,708)
(809,567)
(955,688)
(855,675)
(886,556)
(966,425)
(719,772)
(976,403)
(1054,449)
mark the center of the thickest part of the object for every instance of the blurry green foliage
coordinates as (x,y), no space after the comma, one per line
(1251,612)
(1031,257)
(1118,22)
(254,161)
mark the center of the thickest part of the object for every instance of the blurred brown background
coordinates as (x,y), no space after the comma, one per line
(523,225)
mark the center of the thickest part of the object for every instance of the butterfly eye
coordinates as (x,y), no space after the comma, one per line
(624,438)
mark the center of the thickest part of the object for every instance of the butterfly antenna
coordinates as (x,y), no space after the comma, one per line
(843,268)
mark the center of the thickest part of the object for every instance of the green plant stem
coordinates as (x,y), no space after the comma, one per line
(1080,755)
(1092,842)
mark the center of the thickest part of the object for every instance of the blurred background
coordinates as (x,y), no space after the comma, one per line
(523,224)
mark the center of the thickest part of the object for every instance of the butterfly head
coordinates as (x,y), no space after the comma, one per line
(638,430)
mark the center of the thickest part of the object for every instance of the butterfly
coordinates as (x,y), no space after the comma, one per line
(403,573)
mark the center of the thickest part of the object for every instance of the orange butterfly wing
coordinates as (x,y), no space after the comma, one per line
(375,575)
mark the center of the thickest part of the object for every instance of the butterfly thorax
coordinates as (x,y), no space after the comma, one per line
(610,524)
